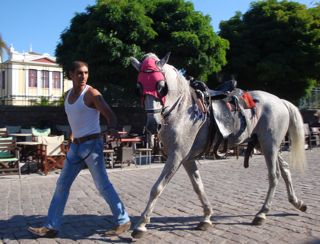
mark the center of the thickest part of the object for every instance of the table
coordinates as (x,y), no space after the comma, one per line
(123,133)
(130,140)
(20,135)
(147,152)
(124,148)
(31,150)
(28,143)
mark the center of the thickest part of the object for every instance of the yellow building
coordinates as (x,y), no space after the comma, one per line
(27,78)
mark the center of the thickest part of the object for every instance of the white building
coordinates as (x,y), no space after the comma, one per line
(26,78)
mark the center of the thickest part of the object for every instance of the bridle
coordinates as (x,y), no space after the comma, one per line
(152,81)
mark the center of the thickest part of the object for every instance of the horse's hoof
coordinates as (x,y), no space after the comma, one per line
(303,208)
(258,221)
(137,234)
(203,226)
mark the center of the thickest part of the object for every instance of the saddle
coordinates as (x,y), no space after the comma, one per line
(235,98)
(231,110)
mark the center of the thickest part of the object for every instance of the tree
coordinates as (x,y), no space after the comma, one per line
(3,46)
(275,46)
(107,34)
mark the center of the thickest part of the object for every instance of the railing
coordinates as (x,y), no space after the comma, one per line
(312,101)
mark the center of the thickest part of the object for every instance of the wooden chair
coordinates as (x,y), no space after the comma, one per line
(27,131)
(157,156)
(307,135)
(122,154)
(64,130)
(9,156)
(108,152)
(127,128)
(285,144)
(54,152)
(13,129)
(126,155)
(315,136)
(145,153)
(37,133)
(3,132)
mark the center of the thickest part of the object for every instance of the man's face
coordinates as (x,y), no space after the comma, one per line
(80,75)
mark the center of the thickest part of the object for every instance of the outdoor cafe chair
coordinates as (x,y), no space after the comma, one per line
(37,133)
(13,129)
(121,154)
(3,132)
(65,130)
(27,131)
(315,136)
(53,152)
(9,156)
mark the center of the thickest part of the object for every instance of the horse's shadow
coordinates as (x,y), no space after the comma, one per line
(224,219)
(190,223)
(92,227)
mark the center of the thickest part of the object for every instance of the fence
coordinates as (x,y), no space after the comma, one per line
(311,102)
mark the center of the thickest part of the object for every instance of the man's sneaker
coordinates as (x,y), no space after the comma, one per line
(118,230)
(43,232)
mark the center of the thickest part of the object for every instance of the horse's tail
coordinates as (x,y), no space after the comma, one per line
(297,137)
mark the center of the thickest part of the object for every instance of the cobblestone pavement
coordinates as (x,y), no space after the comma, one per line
(236,195)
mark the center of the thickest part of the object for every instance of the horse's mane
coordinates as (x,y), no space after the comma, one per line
(183,83)
(149,55)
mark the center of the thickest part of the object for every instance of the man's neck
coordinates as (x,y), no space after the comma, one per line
(78,89)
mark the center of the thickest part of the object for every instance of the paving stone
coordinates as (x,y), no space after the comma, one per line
(236,195)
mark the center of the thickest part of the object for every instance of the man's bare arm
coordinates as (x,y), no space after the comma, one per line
(101,105)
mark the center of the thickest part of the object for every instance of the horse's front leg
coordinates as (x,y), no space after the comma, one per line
(194,174)
(167,173)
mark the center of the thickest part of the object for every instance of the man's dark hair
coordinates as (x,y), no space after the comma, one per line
(77,64)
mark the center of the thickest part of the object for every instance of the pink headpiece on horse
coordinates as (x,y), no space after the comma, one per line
(149,76)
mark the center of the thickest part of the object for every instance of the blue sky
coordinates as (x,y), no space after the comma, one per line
(39,23)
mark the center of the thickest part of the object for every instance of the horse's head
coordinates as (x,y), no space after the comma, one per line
(158,87)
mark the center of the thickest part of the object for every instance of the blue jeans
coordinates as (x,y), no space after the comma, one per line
(91,154)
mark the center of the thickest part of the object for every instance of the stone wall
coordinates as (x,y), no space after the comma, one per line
(41,116)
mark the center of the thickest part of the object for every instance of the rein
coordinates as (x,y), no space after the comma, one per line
(165,114)
(153,111)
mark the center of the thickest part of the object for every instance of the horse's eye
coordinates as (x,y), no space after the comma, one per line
(139,89)
(162,88)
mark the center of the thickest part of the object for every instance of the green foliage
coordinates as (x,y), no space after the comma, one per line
(107,34)
(275,47)
(3,46)
(45,101)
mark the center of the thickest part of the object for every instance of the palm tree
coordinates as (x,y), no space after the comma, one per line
(3,46)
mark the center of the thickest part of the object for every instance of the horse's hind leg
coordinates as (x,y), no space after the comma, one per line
(194,174)
(273,176)
(286,175)
(167,173)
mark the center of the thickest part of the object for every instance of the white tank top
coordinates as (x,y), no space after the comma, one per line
(83,120)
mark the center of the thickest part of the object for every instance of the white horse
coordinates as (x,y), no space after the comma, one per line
(185,131)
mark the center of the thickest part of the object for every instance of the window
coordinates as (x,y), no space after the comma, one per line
(3,80)
(45,78)
(56,79)
(33,77)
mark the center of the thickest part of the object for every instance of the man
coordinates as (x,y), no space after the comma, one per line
(83,105)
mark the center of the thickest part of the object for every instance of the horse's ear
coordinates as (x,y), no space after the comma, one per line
(135,63)
(164,60)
